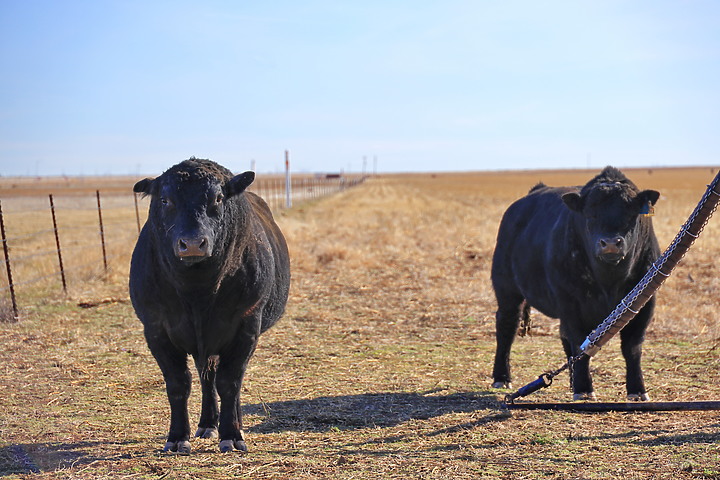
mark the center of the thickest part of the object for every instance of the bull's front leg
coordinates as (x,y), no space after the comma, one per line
(173,364)
(231,371)
(511,309)
(631,340)
(580,378)
(210,413)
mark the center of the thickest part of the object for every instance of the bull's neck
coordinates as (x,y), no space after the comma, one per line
(612,278)
(195,282)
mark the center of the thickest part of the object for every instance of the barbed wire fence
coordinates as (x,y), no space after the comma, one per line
(52,241)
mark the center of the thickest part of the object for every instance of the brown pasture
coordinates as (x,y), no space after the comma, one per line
(381,366)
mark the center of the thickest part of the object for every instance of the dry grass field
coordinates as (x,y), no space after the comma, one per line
(381,365)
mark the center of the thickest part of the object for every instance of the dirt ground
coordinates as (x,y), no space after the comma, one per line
(381,365)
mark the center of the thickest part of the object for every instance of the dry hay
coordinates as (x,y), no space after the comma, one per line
(381,366)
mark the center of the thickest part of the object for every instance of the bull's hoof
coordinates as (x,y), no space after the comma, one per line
(182,447)
(502,385)
(230,445)
(209,432)
(584,396)
(638,397)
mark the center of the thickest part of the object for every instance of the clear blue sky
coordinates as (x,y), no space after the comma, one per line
(134,86)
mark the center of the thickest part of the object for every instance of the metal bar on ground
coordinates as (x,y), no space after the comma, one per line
(617,406)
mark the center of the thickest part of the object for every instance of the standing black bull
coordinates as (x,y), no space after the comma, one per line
(573,253)
(209,274)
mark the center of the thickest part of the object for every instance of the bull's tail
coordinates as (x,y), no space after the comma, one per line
(208,366)
(206,362)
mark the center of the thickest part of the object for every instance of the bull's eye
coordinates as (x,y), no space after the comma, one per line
(165,201)
(215,206)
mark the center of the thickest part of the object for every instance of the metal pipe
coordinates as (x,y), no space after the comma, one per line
(617,406)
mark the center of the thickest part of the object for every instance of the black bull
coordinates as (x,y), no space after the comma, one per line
(573,253)
(209,274)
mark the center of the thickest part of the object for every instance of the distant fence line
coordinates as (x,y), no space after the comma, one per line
(44,251)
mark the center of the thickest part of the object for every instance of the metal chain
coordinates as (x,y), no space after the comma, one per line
(602,333)
(632,302)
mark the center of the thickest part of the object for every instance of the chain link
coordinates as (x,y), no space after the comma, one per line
(612,324)
(620,317)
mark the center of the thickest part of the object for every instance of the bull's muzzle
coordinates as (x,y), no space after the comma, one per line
(611,250)
(192,249)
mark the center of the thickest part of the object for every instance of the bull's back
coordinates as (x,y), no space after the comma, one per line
(527,243)
(275,306)
(529,223)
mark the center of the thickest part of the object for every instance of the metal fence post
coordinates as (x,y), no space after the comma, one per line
(57,242)
(259,189)
(288,181)
(102,231)
(137,212)
(278,194)
(7,265)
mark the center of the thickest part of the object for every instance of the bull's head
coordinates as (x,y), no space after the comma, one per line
(611,212)
(190,205)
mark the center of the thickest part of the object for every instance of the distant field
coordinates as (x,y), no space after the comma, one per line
(381,366)
(33,246)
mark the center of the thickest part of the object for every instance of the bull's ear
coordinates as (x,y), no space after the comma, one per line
(144,186)
(645,201)
(574,201)
(648,196)
(239,183)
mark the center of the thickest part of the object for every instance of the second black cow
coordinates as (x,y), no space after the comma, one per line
(573,253)
(209,274)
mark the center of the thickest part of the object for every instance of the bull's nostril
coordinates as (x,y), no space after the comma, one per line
(193,247)
(603,243)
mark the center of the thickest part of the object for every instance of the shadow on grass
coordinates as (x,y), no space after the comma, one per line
(661,437)
(322,414)
(36,458)
(364,410)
